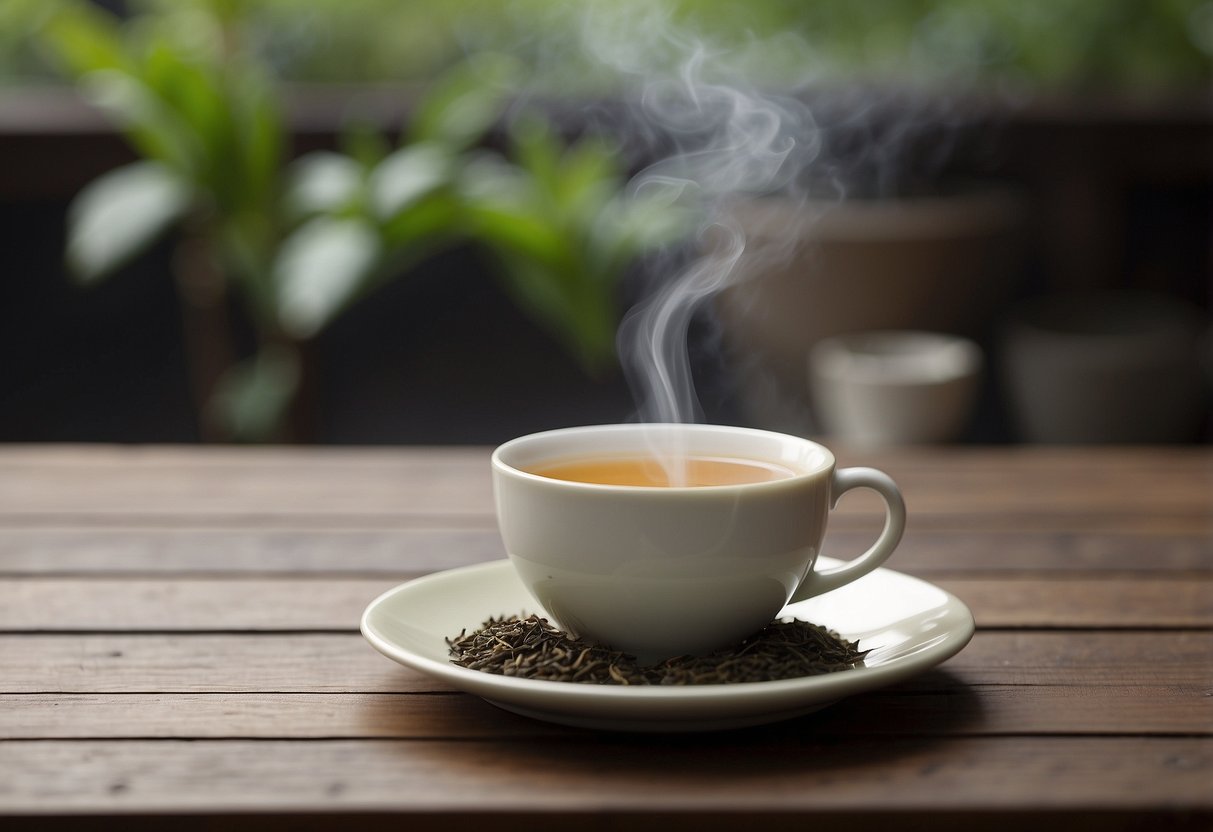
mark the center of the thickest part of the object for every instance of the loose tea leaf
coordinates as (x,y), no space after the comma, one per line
(531,648)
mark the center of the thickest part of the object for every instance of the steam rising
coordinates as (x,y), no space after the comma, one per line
(717,137)
(720,138)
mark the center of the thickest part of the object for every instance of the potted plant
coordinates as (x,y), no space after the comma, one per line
(297,242)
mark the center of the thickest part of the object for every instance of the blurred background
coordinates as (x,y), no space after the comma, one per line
(387,221)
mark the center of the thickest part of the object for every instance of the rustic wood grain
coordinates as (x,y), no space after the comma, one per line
(945,703)
(245,482)
(991,488)
(1134,602)
(141,604)
(337,663)
(198,549)
(784,771)
(186,604)
(177,634)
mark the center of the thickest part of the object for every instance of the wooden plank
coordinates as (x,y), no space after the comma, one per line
(603,819)
(1136,602)
(782,773)
(147,481)
(1053,459)
(947,708)
(189,605)
(850,517)
(198,549)
(142,604)
(207,550)
(1026,722)
(993,486)
(1078,549)
(337,663)
(199,664)
(1119,521)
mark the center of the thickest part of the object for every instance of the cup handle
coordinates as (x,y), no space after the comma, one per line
(817,583)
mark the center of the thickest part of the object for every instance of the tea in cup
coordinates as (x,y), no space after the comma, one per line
(663,540)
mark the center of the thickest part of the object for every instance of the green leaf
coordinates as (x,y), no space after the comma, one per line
(85,39)
(406,176)
(538,153)
(588,177)
(630,225)
(190,97)
(364,143)
(322,182)
(580,313)
(537,294)
(253,397)
(504,210)
(464,104)
(432,221)
(319,269)
(519,233)
(119,214)
(262,137)
(154,129)
(489,177)
(190,89)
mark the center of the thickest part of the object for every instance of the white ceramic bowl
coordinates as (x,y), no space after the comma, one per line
(894,387)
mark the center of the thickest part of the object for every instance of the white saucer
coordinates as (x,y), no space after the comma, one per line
(908,625)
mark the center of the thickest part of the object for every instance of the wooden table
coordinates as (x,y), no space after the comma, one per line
(178,636)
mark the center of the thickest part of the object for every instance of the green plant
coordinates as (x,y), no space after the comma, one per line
(564,227)
(557,218)
(205,120)
(298,242)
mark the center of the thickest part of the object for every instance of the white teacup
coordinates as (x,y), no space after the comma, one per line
(660,571)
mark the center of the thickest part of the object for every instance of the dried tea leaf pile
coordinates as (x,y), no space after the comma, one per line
(531,648)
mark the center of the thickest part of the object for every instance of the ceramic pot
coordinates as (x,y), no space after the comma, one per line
(893,388)
(1104,368)
(943,264)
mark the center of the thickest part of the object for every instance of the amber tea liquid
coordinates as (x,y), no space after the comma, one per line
(692,472)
